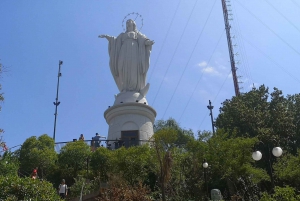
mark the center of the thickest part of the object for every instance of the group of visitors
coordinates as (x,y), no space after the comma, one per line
(95,140)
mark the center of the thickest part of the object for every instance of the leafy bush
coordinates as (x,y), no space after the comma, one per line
(88,186)
(13,188)
(121,191)
(281,194)
(8,165)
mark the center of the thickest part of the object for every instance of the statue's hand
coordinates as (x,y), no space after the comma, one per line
(105,36)
(149,42)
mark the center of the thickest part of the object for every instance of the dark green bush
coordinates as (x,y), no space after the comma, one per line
(14,188)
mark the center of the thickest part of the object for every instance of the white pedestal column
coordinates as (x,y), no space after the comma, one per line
(130,116)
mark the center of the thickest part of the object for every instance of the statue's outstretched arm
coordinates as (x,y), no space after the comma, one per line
(149,42)
(105,36)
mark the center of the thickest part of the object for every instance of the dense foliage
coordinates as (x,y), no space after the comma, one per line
(14,188)
(9,165)
(38,152)
(170,166)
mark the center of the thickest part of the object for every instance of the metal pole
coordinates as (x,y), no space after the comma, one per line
(56,103)
(210,107)
(271,171)
(206,184)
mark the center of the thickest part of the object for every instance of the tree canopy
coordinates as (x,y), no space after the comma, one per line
(38,152)
(259,113)
(170,166)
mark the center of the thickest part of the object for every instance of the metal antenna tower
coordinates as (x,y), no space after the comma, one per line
(56,103)
(230,48)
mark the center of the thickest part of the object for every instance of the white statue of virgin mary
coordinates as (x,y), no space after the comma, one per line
(129,59)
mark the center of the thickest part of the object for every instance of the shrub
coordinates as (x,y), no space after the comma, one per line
(88,187)
(119,189)
(13,188)
(281,194)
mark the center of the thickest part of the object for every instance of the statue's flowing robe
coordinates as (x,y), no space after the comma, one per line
(129,61)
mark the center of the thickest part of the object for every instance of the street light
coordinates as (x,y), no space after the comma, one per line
(257,155)
(205,166)
(277,152)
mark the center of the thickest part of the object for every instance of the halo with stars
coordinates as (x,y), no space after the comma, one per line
(137,15)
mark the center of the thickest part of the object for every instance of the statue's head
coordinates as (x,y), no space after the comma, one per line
(130,25)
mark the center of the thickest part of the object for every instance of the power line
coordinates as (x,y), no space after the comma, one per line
(190,57)
(174,52)
(296,4)
(241,47)
(282,15)
(201,76)
(269,29)
(164,40)
(282,68)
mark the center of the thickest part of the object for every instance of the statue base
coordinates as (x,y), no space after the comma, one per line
(130,97)
(130,123)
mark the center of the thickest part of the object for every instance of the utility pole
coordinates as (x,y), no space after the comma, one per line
(56,103)
(210,107)
(230,48)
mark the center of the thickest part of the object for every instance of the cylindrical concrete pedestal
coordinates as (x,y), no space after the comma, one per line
(130,121)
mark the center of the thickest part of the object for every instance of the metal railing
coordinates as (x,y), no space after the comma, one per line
(109,144)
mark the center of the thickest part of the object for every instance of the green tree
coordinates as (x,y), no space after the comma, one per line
(101,162)
(183,135)
(261,114)
(294,108)
(270,117)
(13,188)
(281,194)
(38,152)
(230,164)
(9,165)
(164,143)
(73,158)
(120,190)
(180,160)
(287,169)
(133,164)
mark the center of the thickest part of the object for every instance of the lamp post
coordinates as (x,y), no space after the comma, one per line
(205,166)
(277,152)
(56,103)
(210,107)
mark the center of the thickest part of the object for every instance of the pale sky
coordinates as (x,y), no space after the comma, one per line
(189,60)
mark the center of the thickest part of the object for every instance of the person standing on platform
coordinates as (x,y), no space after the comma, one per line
(96,140)
(81,137)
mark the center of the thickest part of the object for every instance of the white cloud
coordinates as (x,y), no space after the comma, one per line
(202,64)
(210,70)
(207,69)
(214,70)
